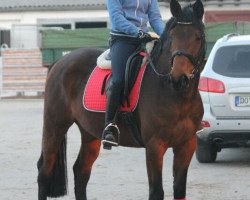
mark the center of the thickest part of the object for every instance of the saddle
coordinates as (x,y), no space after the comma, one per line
(133,66)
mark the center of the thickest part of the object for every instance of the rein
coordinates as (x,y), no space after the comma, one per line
(154,54)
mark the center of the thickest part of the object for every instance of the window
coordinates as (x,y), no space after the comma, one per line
(233,61)
(64,26)
(90,25)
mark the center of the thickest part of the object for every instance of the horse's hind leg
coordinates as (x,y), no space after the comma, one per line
(52,173)
(89,151)
(182,157)
(155,151)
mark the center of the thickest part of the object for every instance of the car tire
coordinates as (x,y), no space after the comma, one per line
(204,152)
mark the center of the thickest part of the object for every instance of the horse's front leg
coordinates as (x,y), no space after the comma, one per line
(182,157)
(155,151)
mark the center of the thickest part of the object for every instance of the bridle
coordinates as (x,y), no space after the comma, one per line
(196,61)
(191,58)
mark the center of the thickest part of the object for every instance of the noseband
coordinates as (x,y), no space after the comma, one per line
(191,58)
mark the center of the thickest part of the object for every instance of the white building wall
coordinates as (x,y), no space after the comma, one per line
(24,36)
(7,19)
(24,26)
(15,21)
(165,12)
(1,77)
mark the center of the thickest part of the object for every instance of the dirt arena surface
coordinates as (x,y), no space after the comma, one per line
(119,174)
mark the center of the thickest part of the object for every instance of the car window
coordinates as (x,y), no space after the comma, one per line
(233,61)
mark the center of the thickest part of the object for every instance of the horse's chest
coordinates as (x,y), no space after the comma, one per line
(185,125)
(182,129)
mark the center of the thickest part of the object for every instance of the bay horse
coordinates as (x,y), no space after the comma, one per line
(168,114)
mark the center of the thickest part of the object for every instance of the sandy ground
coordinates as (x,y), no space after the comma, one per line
(119,174)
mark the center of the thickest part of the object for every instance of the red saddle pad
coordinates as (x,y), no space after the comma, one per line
(94,101)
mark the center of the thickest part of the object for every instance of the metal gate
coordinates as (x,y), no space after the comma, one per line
(22,73)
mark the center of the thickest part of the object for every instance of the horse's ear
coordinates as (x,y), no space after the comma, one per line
(198,9)
(175,8)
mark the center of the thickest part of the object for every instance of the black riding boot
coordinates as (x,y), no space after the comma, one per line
(110,135)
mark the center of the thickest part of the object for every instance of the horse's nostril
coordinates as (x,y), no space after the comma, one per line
(184,80)
(181,84)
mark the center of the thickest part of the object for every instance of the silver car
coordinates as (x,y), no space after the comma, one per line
(225,90)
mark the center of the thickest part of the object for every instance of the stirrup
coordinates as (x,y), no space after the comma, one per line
(113,130)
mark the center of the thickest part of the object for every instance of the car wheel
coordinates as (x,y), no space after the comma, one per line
(204,152)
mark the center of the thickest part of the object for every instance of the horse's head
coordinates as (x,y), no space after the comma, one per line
(186,42)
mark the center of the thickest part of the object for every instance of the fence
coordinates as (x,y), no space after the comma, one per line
(22,73)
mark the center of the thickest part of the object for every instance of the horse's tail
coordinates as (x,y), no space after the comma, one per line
(57,184)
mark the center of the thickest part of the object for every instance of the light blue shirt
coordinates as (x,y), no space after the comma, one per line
(130,16)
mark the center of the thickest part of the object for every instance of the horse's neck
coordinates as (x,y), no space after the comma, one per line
(163,62)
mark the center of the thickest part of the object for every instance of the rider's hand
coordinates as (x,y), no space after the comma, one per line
(144,37)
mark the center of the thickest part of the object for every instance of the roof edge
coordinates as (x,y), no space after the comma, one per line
(53,8)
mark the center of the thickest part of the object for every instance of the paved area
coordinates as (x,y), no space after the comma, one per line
(119,174)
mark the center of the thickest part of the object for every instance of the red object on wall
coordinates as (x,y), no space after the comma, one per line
(227,16)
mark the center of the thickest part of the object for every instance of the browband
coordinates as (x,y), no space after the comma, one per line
(184,23)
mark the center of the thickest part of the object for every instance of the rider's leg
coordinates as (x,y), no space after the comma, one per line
(111,133)
(121,49)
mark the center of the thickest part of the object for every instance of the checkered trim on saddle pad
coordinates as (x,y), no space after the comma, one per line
(94,101)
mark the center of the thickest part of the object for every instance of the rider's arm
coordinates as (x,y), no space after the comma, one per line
(119,22)
(155,19)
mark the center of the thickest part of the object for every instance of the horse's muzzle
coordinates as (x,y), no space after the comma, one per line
(181,84)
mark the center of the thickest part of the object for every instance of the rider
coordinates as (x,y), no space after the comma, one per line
(129,19)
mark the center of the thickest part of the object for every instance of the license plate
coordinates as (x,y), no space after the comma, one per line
(242,101)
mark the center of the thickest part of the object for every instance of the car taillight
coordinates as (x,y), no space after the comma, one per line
(205,124)
(211,85)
